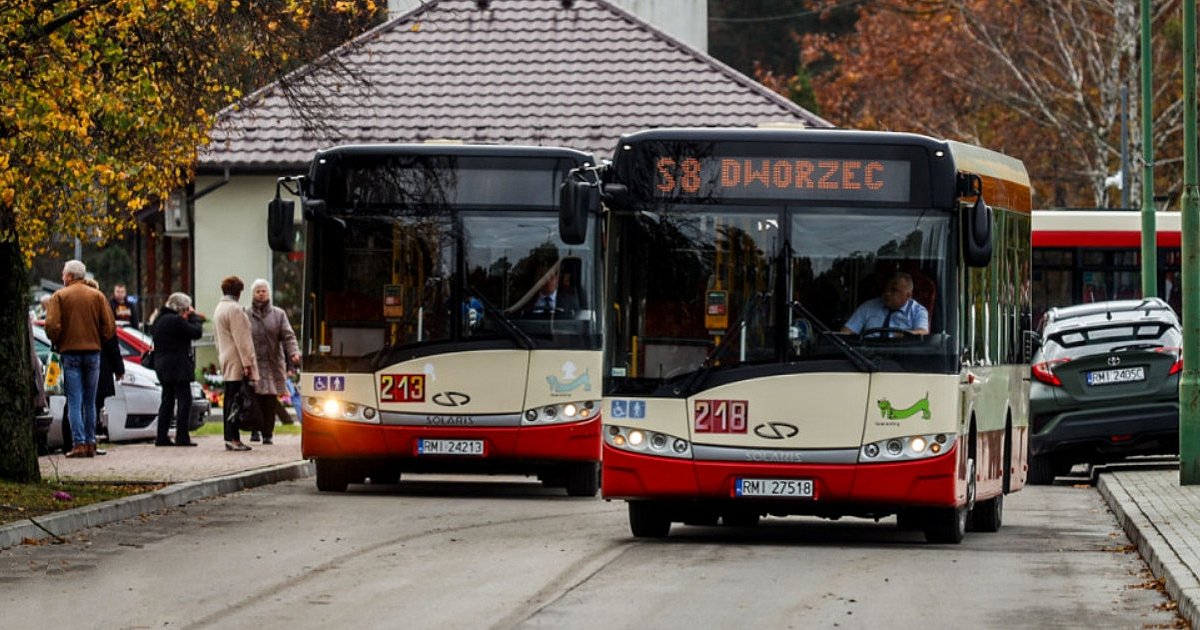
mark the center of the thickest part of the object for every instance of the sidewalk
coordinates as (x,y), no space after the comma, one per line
(199,472)
(1162,518)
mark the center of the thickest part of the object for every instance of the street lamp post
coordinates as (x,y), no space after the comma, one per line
(1189,383)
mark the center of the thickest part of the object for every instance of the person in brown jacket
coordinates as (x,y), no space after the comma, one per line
(78,321)
(235,350)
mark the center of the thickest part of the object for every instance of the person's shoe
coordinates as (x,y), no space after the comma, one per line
(164,444)
(236,445)
(98,452)
(267,440)
(91,450)
(255,437)
(188,443)
(79,450)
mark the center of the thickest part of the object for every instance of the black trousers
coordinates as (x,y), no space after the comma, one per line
(269,408)
(175,408)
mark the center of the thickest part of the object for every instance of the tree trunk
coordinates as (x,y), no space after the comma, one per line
(18,455)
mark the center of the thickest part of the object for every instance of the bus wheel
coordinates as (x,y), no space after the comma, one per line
(946,525)
(648,519)
(910,520)
(988,515)
(583,480)
(331,476)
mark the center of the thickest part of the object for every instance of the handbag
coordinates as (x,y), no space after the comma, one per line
(148,359)
(242,409)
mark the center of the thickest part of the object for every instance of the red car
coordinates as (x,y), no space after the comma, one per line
(133,343)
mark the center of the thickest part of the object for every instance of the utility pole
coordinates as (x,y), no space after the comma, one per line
(1149,229)
(1189,382)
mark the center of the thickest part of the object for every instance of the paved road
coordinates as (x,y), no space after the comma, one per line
(441,552)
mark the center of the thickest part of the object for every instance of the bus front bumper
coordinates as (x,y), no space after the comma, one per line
(323,438)
(925,482)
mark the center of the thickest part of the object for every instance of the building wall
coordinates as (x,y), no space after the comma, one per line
(230,240)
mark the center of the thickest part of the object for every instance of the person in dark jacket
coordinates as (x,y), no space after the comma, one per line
(175,327)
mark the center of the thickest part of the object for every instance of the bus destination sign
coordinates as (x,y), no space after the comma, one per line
(782,178)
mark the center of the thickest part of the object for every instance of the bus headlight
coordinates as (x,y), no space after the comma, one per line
(646,442)
(906,448)
(336,409)
(560,413)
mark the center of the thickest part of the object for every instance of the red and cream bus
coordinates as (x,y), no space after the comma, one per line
(735,257)
(1082,256)
(449,326)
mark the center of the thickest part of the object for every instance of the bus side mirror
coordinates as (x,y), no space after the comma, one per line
(280,223)
(977,234)
(576,200)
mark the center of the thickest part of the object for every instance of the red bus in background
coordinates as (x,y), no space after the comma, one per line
(1082,256)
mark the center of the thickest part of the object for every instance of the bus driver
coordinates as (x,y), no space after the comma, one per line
(895,309)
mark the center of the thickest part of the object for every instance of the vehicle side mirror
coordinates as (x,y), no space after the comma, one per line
(977,234)
(281,217)
(576,200)
(314,208)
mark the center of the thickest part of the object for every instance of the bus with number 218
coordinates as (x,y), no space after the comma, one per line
(447,325)
(740,379)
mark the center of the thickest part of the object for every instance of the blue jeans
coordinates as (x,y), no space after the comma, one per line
(81,373)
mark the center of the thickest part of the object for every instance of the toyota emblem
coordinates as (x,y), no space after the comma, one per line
(1114,360)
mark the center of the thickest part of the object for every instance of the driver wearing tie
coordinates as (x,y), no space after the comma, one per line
(895,309)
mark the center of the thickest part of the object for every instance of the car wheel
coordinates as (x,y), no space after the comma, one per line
(1042,470)
(583,480)
(332,476)
(648,519)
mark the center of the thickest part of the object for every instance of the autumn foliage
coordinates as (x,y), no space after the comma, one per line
(1039,80)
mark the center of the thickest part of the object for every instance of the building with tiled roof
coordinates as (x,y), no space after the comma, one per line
(574,73)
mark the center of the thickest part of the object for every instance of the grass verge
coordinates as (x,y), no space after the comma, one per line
(19,501)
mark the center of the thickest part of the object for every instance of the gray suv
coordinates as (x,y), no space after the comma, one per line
(1105,385)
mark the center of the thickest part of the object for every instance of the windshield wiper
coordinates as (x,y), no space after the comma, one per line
(856,356)
(515,331)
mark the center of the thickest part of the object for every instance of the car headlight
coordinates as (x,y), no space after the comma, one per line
(907,448)
(337,409)
(560,413)
(647,442)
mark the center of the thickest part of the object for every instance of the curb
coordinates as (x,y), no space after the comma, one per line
(68,521)
(1164,562)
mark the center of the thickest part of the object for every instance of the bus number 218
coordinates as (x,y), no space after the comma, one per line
(721,416)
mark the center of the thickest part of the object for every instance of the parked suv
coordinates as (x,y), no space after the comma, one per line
(1105,385)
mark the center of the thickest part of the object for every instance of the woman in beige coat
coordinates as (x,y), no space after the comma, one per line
(274,345)
(235,348)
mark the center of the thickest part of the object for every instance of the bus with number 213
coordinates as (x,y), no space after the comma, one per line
(737,384)
(448,326)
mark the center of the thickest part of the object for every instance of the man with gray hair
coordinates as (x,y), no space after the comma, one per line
(78,320)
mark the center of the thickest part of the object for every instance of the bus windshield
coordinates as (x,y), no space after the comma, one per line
(394,284)
(700,289)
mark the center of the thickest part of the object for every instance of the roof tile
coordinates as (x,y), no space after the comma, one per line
(524,71)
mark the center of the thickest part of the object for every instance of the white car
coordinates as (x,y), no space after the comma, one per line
(130,415)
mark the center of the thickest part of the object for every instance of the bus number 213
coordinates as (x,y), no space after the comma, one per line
(402,388)
(721,416)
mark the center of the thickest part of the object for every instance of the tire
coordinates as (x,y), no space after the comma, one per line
(331,476)
(1041,470)
(583,480)
(988,515)
(946,526)
(648,519)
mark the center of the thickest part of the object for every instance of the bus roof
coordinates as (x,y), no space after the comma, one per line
(752,134)
(473,150)
(981,161)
